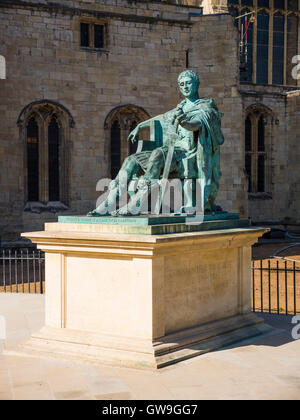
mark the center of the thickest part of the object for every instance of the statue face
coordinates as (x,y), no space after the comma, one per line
(188,87)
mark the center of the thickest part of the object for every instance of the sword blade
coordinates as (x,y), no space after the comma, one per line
(166,172)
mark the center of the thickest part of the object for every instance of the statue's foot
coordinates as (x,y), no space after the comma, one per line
(93,213)
(123,211)
(137,204)
(217,209)
(212,209)
(185,210)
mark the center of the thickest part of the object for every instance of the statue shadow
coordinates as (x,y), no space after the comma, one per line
(280,334)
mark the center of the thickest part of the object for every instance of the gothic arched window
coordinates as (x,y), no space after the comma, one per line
(248,150)
(268,39)
(261,154)
(46,128)
(258,135)
(32,149)
(118,124)
(53,158)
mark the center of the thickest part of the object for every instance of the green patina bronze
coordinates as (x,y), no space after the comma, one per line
(185,144)
(150,220)
(157,225)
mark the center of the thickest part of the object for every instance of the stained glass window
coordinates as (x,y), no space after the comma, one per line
(248,147)
(248,127)
(263,3)
(292,47)
(256,150)
(293,5)
(261,173)
(247,2)
(262,47)
(32,160)
(271,50)
(279,4)
(278,49)
(53,156)
(261,135)
(247,48)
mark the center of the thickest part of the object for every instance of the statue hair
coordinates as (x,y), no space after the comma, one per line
(190,73)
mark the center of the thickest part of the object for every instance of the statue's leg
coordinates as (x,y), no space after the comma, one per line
(117,187)
(139,202)
(207,183)
(215,177)
(155,165)
(189,189)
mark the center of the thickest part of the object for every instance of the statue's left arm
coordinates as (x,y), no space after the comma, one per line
(194,125)
(194,118)
(204,114)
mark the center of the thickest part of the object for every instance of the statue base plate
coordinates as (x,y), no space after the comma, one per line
(150,224)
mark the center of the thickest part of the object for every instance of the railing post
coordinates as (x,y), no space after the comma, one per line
(295,296)
(269,280)
(9,269)
(277,278)
(27,266)
(22,272)
(4,270)
(40,273)
(286,288)
(253,284)
(261,287)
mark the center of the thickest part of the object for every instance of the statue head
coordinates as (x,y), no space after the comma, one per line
(188,82)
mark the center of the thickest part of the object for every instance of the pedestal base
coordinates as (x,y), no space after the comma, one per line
(145,300)
(139,353)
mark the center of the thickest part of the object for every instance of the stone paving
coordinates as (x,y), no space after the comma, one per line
(265,368)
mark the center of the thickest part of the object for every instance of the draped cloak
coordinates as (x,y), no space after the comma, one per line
(202,159)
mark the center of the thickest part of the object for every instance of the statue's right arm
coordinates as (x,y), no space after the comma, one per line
(147,123)
(133,134)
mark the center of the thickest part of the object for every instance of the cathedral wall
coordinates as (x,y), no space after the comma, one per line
(146,47)
(279,200)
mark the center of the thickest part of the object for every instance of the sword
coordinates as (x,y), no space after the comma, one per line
(166,172)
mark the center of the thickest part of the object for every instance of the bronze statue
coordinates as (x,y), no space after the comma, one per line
(185,145)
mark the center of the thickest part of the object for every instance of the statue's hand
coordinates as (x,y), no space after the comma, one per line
(178,113)
(189,125)
(134,133)
(180,120)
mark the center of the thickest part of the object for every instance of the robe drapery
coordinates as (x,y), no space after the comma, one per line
(197,153)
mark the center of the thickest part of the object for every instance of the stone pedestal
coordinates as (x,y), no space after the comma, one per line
(145,300)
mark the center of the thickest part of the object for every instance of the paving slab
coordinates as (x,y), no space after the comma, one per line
(267,367)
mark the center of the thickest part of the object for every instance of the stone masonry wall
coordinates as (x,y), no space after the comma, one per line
(282,154)
(143,58)
(293,112)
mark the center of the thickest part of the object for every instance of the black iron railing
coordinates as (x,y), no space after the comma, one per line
(275,280)
(276,284)
(22,271)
